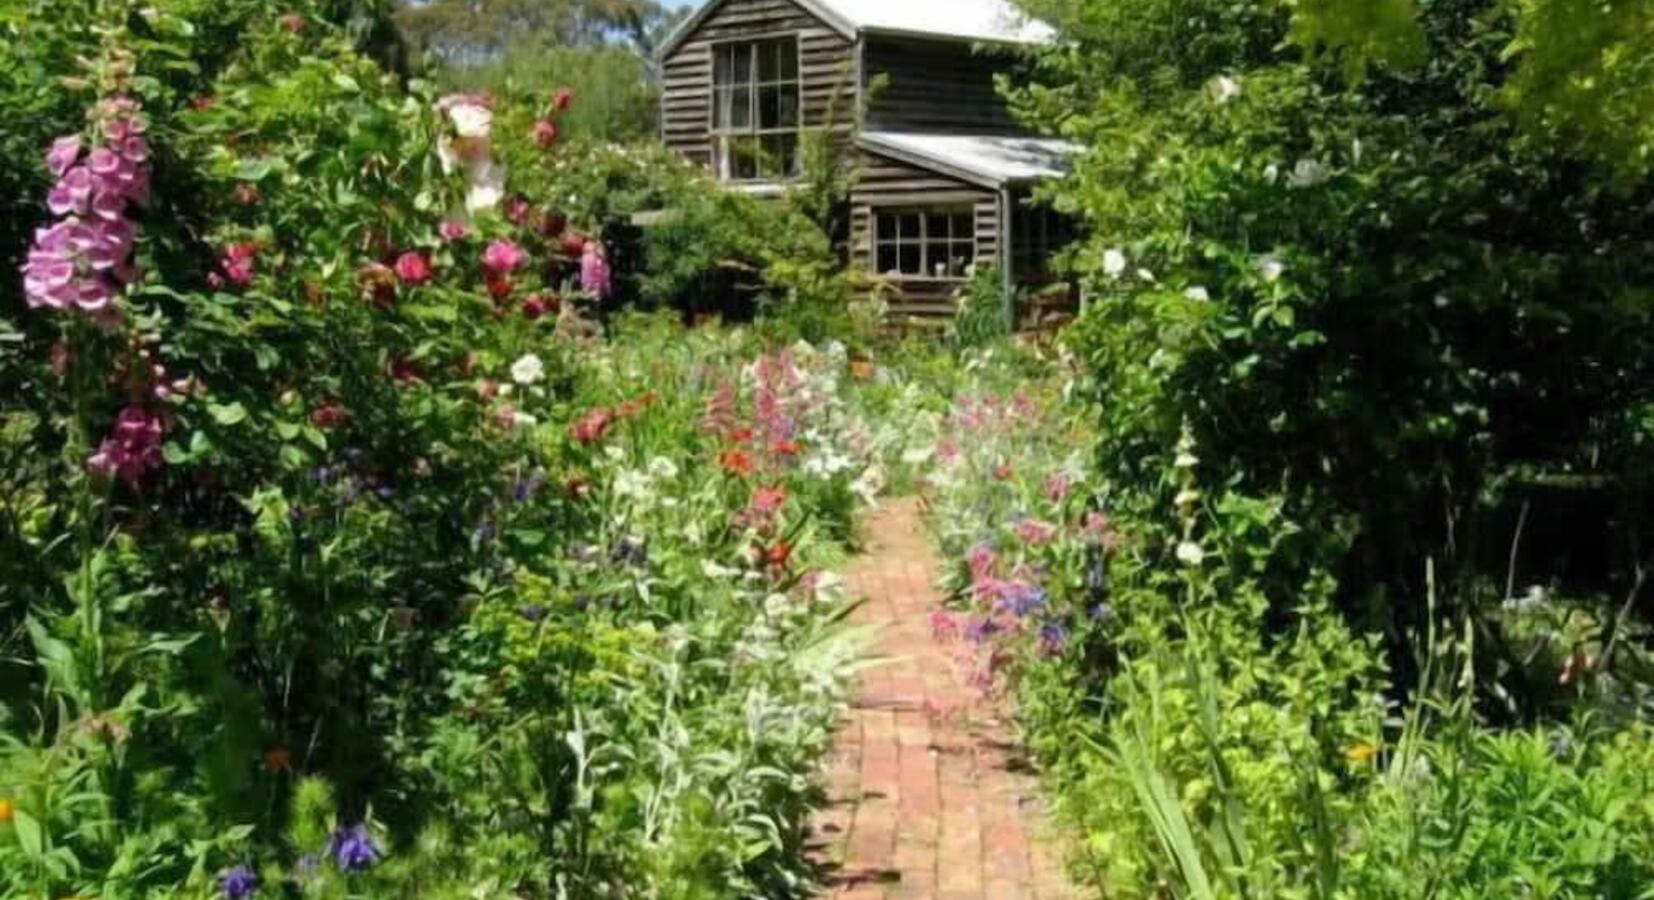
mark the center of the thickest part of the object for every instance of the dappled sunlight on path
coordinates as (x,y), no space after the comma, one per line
(929,794)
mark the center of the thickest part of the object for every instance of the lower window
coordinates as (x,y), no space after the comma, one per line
(934,242)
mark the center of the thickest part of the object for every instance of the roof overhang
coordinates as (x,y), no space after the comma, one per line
(992,162)
(696,19)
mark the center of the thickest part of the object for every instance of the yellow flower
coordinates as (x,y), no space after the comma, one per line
(7,812)
(1361,753)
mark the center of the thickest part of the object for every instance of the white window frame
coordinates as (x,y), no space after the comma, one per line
(725,135)
(886,226)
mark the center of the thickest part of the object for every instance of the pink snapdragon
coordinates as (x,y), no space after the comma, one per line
(503,258)
(595,276)
(133,447)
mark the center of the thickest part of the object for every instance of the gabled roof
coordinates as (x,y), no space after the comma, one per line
(986,21)
(990,161)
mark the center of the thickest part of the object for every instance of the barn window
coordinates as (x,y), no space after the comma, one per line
(755,109)
(926,243)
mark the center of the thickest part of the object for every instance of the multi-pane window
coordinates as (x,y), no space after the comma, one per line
(934,243)
(755,109)
(1038,233)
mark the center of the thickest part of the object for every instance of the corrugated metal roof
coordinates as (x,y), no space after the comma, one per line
(988,160)
(991,21)
(973,20)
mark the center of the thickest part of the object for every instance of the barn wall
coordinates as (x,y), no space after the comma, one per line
(826,72)
(934,86)
(882,181)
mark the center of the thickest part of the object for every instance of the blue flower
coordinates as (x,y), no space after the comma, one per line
(353,849)
(238,883)
(1025,599)
(981,630)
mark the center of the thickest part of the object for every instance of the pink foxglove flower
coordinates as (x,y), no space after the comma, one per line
(64,154)
(133,447)
(595,277)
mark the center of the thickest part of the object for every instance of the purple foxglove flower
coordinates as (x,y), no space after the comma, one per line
(95,295)
(135,149)
(595,277)
(104,161)
(64,154)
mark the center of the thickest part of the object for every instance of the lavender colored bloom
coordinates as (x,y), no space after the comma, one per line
(981,630)
(1023,600)
(64,154)
(238,883)
(353,849)
(1053,639)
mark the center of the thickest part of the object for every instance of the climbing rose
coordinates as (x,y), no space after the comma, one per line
(133,447)
(502,258)
(595,277)
(413,267)
(562,99)
(545,133)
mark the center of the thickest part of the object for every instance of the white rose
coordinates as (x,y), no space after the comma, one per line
(528,370)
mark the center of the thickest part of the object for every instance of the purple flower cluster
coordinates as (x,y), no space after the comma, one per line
(81,261)
(595,277)
(132,448)
(353,849)
(238,883)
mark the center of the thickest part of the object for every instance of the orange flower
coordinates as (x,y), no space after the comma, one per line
(863,370)
(7,812)
(787,448)
(278,760)
(740,436)
(1003,472)
(736,462)
(779,555)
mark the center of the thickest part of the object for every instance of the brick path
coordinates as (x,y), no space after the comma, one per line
(929,795)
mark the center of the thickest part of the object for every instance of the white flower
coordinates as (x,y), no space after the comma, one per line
(632,483)
(1197,294)
(1146,275)
(1223,89)
(521,420)
(1271,268)
(1190,554)
(1114,263)
(712,570)
(471,120)
(528,370)
(487,187)
(1307,174)
(663,468)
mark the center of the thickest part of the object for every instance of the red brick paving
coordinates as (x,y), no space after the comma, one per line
(929,797)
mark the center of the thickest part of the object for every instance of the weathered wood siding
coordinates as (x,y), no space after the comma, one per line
(934,86)
(885,182)
(826,71)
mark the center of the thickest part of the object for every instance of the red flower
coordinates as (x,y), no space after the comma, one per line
(452,230)
(278,760)
(534,308)
(553,224)
(403,370)
(545,133)
(592,427)
(740,436)
(562,99)
(516,210)
(413,267)
(329,417)
(779,555)
(1003,472)
(499,287)
(574,246)
(736,462)
(786,448)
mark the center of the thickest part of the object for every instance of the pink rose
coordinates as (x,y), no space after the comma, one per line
(502,258)
(545,133)
(413,267)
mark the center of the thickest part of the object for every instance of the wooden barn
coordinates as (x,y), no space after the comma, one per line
(943,174)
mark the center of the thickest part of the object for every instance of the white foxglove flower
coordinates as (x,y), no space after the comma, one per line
(528,370)
(471,120)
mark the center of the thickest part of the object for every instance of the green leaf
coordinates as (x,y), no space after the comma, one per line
(232,414)
(29,835)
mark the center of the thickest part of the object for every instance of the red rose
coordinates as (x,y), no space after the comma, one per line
(545,133)
(562,99)
(534,308)
(552,224)
(329,417)
(574,245)
(499,288)
(779,555)
(413,267)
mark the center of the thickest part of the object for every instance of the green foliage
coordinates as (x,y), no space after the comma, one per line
(984,311)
